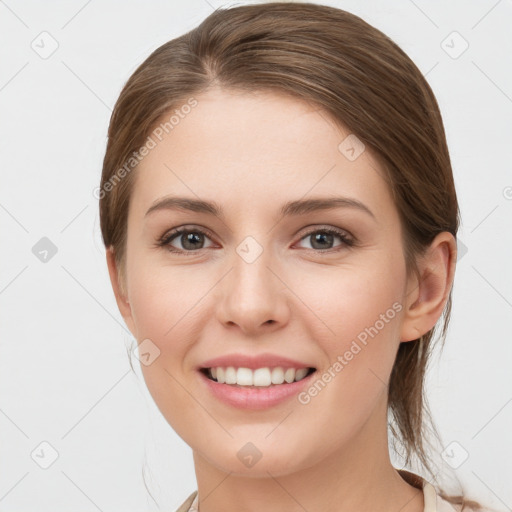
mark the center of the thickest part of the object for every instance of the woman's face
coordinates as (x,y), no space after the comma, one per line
(255,280)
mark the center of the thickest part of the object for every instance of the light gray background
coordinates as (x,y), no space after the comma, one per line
(64,372)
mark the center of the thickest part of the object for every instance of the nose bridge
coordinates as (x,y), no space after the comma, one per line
(252,294)
(252,279)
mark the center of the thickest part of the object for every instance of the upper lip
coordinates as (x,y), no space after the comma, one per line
(253,362)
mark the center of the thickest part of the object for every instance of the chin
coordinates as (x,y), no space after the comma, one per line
(258,460)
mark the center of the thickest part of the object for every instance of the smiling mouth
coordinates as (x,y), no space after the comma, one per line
(208,373)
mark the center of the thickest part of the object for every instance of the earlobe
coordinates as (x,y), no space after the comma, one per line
(117,286)
(429,290)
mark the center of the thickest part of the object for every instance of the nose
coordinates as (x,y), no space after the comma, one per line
(253,296)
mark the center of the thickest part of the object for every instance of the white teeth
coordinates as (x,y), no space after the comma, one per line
(277,375)
(230,375)
(300,374)
(260,377)
(244,377)
(289,375)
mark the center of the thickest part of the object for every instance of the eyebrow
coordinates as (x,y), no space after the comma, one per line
(291,208)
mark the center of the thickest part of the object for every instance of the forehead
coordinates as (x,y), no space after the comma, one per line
(249,150)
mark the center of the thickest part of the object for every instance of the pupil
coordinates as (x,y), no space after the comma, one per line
(321,237)
(189,238)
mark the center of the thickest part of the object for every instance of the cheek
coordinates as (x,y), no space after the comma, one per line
(357,326)
(163,312)
(162,300)
(353,303)
(168,308)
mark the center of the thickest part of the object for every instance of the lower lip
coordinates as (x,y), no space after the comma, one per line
(245,397)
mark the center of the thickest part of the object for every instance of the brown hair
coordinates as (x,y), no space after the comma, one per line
(363,81)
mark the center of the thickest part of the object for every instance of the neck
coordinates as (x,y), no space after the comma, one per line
(356,476)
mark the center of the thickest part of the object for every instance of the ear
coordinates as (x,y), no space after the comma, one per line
(119,290)
(427,293)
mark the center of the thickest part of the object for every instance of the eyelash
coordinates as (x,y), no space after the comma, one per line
(168,237)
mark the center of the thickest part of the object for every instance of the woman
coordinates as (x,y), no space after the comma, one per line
(280,217)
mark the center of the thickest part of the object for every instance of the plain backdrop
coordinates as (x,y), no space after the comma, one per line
(78,427)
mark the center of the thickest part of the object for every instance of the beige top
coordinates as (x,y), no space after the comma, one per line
(433,502)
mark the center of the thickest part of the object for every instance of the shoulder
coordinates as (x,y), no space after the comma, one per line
(185,506)
(444,505)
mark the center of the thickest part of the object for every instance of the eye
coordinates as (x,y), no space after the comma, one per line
(191,240)
(323,239)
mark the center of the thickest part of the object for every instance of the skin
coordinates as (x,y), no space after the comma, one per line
(234,148)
